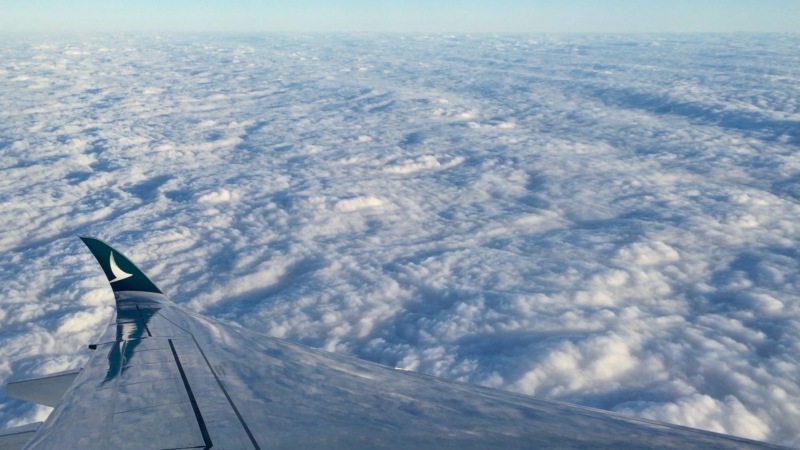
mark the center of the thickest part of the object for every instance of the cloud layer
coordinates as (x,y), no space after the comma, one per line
(605,220)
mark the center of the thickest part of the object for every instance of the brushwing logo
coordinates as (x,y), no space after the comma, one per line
(119,274)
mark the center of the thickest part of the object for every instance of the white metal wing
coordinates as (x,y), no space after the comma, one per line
(163,377)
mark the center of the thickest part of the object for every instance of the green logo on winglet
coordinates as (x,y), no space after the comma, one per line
(120,271)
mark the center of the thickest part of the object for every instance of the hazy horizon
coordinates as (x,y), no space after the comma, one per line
(446,16)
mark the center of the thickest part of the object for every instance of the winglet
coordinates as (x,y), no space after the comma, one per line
(122,274)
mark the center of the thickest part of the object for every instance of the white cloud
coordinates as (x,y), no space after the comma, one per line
(356,203)
(706,412)
(426,162)
(221,195)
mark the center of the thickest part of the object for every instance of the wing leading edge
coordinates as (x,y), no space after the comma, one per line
(165,377)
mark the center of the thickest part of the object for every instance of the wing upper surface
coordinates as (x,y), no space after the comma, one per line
(164,377)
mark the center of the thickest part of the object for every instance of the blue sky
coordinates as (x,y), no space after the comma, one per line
(404,16)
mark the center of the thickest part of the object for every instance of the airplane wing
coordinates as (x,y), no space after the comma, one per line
(163,377)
